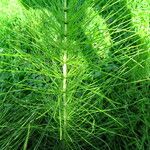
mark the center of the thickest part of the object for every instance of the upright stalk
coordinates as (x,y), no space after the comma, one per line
(65,71)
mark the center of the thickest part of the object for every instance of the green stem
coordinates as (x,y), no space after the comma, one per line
(27,138)
(65,72)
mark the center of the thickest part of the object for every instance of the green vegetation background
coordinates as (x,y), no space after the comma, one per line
(108,78)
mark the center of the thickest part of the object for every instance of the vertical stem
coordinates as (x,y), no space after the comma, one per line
(27,138)
(65,71)
(64,90)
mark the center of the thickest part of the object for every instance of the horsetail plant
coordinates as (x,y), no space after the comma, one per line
(74,75)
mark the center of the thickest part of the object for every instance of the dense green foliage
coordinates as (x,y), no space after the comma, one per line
(74,75)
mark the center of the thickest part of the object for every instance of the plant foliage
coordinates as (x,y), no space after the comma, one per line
(74,74)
